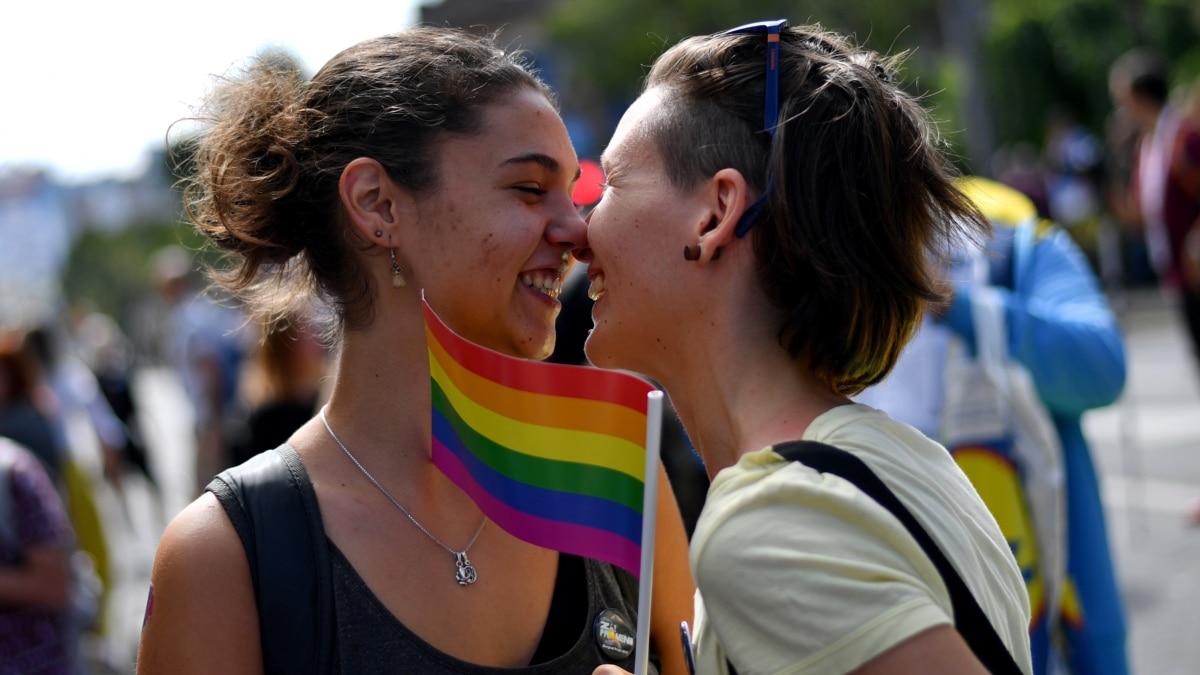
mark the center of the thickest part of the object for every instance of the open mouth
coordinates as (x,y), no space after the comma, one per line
(547,282)
(596,287)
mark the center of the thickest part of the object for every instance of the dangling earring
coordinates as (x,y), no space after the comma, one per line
(398,280)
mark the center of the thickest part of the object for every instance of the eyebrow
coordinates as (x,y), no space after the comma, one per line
(545,161)
(605,162)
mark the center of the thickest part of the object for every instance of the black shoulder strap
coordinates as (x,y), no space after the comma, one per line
(275,513)
(969,618)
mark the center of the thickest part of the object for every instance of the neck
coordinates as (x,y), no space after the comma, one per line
(754,395)
(379,404)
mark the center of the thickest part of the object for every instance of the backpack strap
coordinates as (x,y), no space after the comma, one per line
(969,619)
(272,506)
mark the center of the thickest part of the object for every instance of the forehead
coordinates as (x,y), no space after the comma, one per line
(523,123)
(632,143)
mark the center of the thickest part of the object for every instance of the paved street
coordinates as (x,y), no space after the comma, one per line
(135,525)
(1147,448)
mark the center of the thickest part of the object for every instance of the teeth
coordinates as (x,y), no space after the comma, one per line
(596,288)
(548,283)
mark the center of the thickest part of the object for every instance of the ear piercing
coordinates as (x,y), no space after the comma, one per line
(693,253)
(398,280)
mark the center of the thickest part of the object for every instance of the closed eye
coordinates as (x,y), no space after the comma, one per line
(530,190)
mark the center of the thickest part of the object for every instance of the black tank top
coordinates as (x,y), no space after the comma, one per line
(583,628)
(371,639)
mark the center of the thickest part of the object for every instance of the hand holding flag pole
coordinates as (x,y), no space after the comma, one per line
(563,457)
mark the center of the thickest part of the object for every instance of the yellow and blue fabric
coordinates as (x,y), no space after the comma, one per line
(1063,331)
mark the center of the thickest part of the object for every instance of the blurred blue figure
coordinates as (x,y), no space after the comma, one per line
(204,341)
(1074,164)
(1062,330)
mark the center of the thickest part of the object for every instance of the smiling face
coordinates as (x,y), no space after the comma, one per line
(494,234)
(636,236)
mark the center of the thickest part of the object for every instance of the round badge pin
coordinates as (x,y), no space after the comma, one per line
(614,634)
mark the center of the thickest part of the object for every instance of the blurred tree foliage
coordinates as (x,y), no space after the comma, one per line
(111,269)
(1043,54)
(613,41)
(1036,54)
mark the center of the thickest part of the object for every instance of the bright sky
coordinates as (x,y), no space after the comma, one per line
(87,87)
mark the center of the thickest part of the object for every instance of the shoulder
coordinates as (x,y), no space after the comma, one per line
(200,550)
(202,598)
(795,566)
(201,526)
(768,507)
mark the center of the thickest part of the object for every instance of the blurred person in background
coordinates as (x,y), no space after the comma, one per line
(429,164)
(1163,197)
(85,429)
(109,354)
(36,630)
(204,341)
(24,410)
(279,386)
(86,423)
(1074,164)
(1061,328)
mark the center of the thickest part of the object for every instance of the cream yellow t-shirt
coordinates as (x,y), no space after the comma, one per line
(800,572)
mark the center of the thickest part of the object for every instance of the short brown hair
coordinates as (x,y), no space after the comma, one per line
(265,183)
(863,203)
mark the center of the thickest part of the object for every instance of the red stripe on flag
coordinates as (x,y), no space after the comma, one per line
(537,377)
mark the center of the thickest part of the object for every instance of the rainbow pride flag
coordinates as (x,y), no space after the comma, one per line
(554,454)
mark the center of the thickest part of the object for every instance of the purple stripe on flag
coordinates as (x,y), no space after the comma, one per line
(581,540)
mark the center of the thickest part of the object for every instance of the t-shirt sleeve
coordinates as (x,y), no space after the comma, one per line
(814,576)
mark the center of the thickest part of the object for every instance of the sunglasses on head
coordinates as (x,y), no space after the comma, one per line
(770,104)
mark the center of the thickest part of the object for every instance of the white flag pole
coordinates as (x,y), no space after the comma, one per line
(654,405)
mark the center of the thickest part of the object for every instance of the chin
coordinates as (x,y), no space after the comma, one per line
(597,353)
(535,347)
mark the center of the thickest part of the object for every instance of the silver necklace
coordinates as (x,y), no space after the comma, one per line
(466,573)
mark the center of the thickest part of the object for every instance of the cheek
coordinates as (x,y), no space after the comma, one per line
(488,245)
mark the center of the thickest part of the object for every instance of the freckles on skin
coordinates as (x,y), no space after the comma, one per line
(488,246)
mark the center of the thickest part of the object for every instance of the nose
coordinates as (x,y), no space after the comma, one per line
(584,253)
(569,229)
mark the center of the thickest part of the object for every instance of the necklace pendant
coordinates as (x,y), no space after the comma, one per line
(466,574)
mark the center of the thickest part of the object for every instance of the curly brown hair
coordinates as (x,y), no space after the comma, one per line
(265,181)
(863,203)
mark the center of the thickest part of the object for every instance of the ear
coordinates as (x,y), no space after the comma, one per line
(727,195)
(375,204)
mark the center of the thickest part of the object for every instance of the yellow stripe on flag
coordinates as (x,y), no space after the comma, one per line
(537,440)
